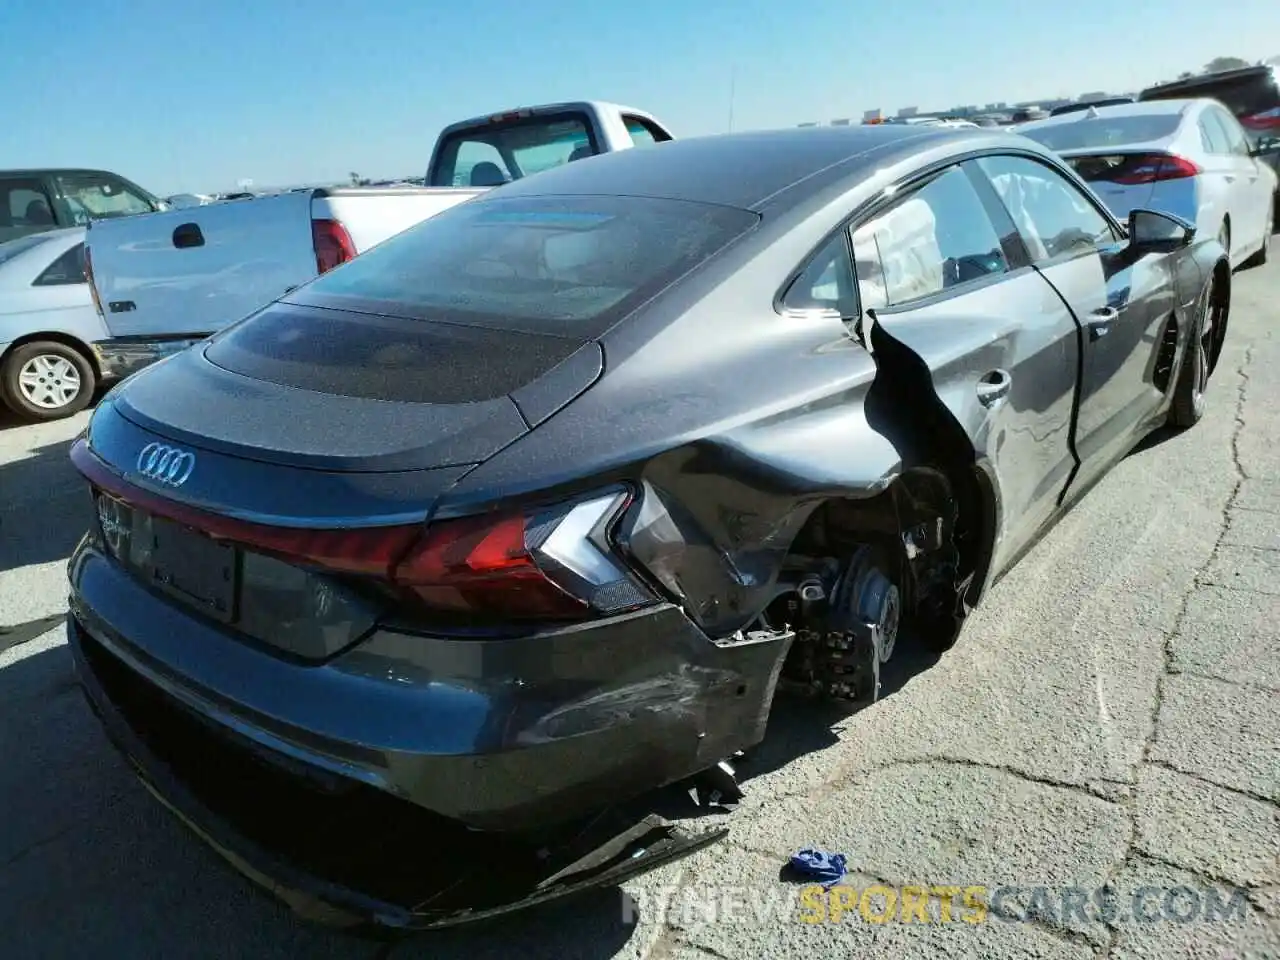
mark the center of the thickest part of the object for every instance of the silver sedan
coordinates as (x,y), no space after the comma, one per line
(1188,157)
(47,323)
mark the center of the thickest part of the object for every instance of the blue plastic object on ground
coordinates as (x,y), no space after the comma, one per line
(826,868)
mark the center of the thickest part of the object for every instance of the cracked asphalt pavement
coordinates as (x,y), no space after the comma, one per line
(1110,717)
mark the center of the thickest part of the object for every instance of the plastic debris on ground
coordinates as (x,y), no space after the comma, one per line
(818,865)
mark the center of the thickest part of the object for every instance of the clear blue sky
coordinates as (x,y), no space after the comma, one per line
(181,96)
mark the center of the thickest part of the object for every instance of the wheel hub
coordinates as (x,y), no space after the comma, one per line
(49,381)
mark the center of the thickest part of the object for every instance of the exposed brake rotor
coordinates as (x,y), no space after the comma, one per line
(854,632)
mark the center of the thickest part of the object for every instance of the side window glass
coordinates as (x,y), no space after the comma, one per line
(24,208)
(642,132)
(1237,142)
(68,268)
(937,238)
(92,196)
(826,284)
(1212,135)
(1054,217)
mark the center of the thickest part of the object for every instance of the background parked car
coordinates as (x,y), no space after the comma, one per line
(1028,114)
(47,326)
(1252,94)
(34,201)
(1188,157)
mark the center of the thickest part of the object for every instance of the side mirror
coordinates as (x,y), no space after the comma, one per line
(1153,232)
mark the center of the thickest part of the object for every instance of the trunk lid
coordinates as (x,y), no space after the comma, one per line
(196,270)
(327,390)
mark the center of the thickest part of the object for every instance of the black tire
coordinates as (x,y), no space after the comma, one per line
(46,398)
(1197,363)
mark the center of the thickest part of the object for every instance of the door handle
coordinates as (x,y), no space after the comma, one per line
(1100,321)
(187,235)
(1229,178)
(994,386)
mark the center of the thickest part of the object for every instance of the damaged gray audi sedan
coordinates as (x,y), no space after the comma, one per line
(529,509)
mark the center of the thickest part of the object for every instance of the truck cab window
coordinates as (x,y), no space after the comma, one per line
(490,154)
(643,133)
(92,196)
(24,208)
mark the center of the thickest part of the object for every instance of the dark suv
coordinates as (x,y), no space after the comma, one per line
(33,201)
(1251,93)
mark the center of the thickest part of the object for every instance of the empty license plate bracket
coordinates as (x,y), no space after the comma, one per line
(195,568)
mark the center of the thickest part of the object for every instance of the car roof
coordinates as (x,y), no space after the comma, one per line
(745,170)
(599,107)
(46,171)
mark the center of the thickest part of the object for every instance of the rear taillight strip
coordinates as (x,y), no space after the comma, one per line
(553,563)
(381,548)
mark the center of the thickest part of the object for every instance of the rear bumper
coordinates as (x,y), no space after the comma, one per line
(119,357)
(593,859)
(501,734)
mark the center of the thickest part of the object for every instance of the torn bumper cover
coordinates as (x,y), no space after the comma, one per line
(354,833)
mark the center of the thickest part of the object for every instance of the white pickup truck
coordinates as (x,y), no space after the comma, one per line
(163,281)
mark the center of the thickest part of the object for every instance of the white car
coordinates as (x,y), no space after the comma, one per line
(1190,158)
(48,369)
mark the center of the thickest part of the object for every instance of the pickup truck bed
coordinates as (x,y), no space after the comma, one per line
(196,270)
(165,280)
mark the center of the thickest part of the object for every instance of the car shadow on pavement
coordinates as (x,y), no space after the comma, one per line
(45,508)
(1154,439)
(11,421)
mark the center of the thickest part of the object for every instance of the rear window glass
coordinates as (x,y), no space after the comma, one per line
(497,153)
(1087,133)
(564,266)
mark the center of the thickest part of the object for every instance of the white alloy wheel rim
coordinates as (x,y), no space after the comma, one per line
(49,381)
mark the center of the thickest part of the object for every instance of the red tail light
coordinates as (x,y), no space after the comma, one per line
(332,243)
(555,563)
(1157,166)
(1266,120)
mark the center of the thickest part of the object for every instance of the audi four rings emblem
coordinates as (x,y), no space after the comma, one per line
(167,465)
